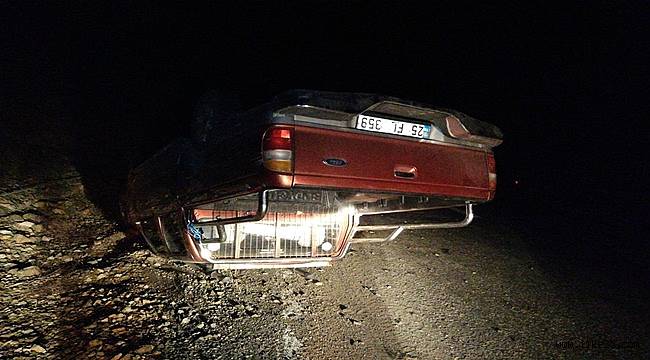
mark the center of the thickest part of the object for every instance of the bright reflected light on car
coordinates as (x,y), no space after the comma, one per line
(347,211)
(310,231)
(302,233)
(205,252)
(213,246)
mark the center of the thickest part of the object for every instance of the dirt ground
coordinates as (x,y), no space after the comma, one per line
(72,285)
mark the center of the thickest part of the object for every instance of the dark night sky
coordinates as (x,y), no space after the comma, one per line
(566,83)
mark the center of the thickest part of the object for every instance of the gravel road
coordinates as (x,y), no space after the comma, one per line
(74,286)
(508,286)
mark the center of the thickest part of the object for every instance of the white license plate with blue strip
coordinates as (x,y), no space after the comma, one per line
(395,127)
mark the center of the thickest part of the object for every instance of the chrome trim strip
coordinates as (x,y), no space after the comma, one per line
(406,210)
(270,265)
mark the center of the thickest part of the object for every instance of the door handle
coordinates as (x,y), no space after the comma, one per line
(405,171)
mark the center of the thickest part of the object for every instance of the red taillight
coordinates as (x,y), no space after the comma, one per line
(492,172)
(277,149)
(278,138)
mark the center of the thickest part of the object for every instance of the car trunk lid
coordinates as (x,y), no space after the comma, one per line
(358,160)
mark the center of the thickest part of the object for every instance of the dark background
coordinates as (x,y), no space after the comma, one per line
(566,83)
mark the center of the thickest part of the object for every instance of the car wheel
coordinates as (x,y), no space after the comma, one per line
(212,113)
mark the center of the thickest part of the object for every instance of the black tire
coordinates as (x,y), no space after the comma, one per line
(212,112)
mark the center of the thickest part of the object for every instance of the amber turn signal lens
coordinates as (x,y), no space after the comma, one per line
(281,166)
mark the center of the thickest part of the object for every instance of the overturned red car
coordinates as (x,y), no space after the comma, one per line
(288,183)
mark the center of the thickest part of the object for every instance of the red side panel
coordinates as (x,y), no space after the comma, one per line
(385,164)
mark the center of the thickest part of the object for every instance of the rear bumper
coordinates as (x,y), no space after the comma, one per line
(440,190)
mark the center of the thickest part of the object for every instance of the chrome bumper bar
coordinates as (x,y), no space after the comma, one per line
(316,260)
(398,229)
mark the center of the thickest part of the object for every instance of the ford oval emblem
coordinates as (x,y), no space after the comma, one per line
(335,162)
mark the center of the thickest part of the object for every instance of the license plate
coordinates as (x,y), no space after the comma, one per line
(395,127)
